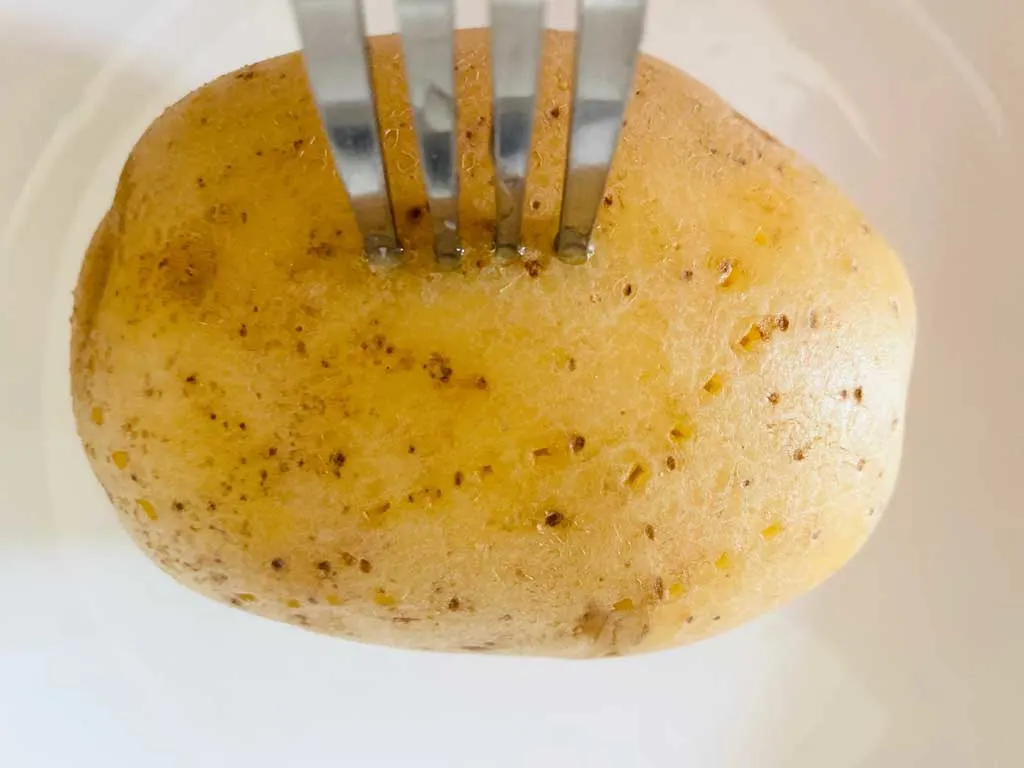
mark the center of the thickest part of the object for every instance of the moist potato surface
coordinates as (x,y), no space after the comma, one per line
(523,457)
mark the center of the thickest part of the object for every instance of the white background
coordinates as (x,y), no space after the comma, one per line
(910,657)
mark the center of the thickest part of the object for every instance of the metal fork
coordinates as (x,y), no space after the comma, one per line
(334,43)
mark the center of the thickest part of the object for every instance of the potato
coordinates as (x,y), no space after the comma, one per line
(520,457)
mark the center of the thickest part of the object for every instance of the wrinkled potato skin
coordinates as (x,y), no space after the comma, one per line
(525,457)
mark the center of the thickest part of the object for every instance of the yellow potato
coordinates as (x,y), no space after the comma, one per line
(525,457)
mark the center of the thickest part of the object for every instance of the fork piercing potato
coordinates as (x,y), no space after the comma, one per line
(523,456)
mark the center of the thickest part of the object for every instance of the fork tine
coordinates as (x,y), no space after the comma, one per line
(516,27)
(608,40)
(334,41)
(427,30)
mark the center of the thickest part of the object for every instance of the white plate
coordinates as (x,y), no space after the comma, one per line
(910,657)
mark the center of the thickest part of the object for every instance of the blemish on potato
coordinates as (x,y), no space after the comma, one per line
(773,398)
(858,395)
(532,267)
(771,531)
(722,562)
(670,463)
(365,565)
(636,477)
(383,598)
(439,368)
(147,507)
(591,623)
(683,430)
(247,597)
(120,459)
(623,605)
(714,384)
(333,599)
(554,518)
(96,416)
(753,337)
(291,602)
(454,604)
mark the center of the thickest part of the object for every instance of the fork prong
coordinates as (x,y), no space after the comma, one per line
(335,49)
(427,30)
(608,41)
(516,28)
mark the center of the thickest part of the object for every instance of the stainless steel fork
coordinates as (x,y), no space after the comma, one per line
(334,44)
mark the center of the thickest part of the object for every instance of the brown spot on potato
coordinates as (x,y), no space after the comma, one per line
(277,563)
(439,368)
(591,623)
(554,519)
(190,266)
(714,384)
(454,604)
(532,267)
(649,531)
(658,589)
(636,475)
(365,565)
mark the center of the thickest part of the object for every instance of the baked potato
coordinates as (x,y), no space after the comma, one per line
(528,457)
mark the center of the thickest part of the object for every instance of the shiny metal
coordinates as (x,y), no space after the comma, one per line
(337,60)
(427,28)
(516,38)
(608,40)
(334,42)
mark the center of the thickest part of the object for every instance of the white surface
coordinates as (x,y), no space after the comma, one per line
(910,657)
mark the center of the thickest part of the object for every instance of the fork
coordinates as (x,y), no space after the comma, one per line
(333,34)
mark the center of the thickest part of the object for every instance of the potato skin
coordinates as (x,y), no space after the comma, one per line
(527,457)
